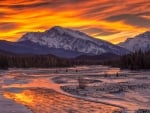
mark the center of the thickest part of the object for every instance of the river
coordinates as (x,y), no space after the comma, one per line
(40,90)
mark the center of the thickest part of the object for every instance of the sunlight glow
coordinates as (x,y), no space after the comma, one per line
(126,19)
(24,97)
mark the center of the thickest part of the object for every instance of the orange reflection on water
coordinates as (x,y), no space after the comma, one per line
(34,83)
(25,97)
(49,101)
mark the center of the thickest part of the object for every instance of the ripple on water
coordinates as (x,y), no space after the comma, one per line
(49,101)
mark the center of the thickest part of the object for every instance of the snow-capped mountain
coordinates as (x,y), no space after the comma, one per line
(139,42)
(72,40)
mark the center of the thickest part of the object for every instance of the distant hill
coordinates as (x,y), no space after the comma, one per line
(105,56)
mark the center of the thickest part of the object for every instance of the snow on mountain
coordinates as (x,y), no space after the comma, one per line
(58,37)
(139,42)
(28,47)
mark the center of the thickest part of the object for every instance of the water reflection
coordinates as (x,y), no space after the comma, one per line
(34,83)
(48,101)
(26,97)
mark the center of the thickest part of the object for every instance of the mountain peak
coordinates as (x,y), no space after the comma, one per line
(57,28)
(72,40)
(139,42)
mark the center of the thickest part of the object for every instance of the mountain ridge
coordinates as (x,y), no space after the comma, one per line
(68,39)
(61,42)
(28,47)
(139,42)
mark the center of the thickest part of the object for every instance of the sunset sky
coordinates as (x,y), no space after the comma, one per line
(111,20)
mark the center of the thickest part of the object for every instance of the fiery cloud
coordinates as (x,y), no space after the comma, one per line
(112,21)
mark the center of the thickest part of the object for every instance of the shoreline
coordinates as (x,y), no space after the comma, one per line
(10,106)
(91,100)
(63,92)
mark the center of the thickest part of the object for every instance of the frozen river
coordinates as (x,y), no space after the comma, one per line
(56,90)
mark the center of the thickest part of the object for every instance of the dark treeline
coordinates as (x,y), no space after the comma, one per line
(3,62)
(134,61)
(40,61)
(37,61)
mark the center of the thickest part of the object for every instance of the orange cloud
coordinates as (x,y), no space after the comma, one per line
(111,21)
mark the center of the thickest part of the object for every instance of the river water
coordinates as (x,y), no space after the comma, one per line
(38,90)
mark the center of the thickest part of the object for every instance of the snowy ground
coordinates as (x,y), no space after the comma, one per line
(128,89)
(26,90)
